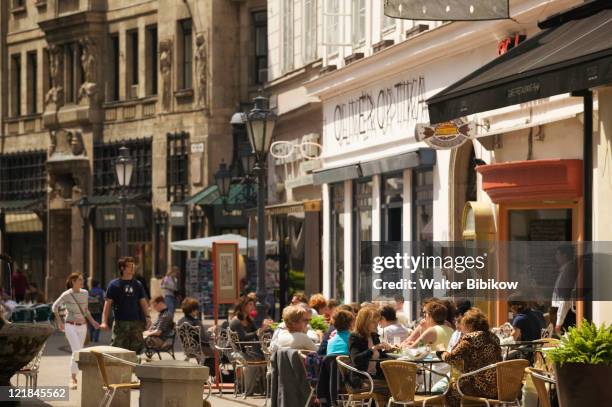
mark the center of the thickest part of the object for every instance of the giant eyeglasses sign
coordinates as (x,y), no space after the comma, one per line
(448,10)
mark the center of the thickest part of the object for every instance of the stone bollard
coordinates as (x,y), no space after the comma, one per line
(116,372)
(171,383)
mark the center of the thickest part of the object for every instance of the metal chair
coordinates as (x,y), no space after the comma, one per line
(30,371)
(240,349)
(219,343)
(510,375)
(189,335)
(167,346)
(110,389)
(264,339)
(402,382)
(540,379)
(352,397)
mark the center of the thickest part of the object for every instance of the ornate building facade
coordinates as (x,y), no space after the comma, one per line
(80,79)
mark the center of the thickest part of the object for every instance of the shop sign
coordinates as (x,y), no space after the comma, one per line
(296,159)
(178,215)
(447,135)
(448,10)
(109,217)
(392,108)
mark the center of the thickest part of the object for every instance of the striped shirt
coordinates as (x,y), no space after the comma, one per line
(73,313)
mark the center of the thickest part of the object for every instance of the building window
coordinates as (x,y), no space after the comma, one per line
(151,68)
(177,164)
(16,85)
(23,176)
(310,30)
(359,22)
(422,196)
(260,23)
(132,64)
(105,180)
(362,232)
(73,73)
(32,82)
(18,4)
(46,74)
(338,221)
(386,23)
(287,35)
(185,56)
(113,88)
(332,25)
(392,202)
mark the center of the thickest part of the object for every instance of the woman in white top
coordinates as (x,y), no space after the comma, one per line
(75,299)
(296,319)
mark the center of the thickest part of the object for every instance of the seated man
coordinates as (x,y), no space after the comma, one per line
(161,329)
(390,328)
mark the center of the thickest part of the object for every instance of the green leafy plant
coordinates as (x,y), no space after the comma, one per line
(586,344)
(318,323)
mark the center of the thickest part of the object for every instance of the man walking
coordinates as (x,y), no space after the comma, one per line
(126,296)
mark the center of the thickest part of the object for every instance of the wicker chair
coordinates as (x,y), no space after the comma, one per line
(401,379)
(111,388)
(510,375)
(362,397)
(30,371)
(540,379)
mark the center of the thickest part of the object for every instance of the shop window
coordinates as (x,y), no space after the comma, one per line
(177,163)
(16,85)
(185,55)
(131,64)
(151,62)
(260,22)
(338,221)
(362,232)
(422,196)
(32,82)
(310,30)
(105,180)
(113,82)
(23,176)
(392,203)
(287,35)
(358,14)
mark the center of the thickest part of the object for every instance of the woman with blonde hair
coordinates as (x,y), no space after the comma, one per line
(296,320)
(76,300)
(365,347)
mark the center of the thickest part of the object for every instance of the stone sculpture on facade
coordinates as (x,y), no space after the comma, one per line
(88,90)
(200,60)
(55,94)
(165,67)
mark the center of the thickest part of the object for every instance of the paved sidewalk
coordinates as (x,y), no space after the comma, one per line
(54,371)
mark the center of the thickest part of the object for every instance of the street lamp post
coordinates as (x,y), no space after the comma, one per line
(124,167)
(85,210)
(260,127)
(223,177)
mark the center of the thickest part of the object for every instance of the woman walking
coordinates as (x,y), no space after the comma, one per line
(76,300)
(169,288)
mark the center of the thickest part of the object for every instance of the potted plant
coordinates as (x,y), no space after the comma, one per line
(583,366)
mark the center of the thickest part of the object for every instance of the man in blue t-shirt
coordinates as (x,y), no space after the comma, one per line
(126,296)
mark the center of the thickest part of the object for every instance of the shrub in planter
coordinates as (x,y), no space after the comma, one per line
(583,365)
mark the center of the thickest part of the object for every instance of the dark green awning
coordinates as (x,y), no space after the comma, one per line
(238,195)
(204,197)
(17,205)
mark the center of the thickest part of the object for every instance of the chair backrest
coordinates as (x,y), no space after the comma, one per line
(346,369)
(34,364)
(233,340)
(538,378)
(189,336)
(312,365)
(101,367)
(401,379)
(510,378)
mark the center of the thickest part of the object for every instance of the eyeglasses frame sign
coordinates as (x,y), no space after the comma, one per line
(292,146)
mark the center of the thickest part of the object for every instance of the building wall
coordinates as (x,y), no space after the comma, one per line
(227,79)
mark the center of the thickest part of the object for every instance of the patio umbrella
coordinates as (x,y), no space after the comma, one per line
(206,243)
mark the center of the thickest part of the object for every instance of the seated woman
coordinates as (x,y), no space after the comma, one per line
(191,312)
(391,330)
(438,332)
(420,327)
(365,348)
(477,348)
(242,323)
(296,319)
(339,340)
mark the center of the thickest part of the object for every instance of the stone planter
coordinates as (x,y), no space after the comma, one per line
(19,343)
(581,384)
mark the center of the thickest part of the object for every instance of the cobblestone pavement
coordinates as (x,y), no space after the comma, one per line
(54,372)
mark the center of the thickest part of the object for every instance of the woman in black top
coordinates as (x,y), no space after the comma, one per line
(365,347)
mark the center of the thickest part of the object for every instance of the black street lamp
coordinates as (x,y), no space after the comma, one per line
(85,211)
(223,177)
(124,166)
(260,127)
